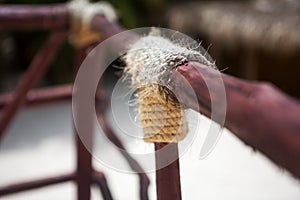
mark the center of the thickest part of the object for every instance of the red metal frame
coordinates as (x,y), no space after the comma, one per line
(40,96)
(56,17)
(34,73)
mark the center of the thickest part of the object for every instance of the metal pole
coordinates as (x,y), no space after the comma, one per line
(167,178)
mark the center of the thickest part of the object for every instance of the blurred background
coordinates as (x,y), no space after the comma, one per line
(255,40)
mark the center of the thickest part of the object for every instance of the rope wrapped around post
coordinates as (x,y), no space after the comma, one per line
(82,13)
(149,63)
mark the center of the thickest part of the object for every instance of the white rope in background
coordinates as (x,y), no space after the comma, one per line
(82,12)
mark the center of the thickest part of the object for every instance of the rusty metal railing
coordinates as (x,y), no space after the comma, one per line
(56,18)
(262,125)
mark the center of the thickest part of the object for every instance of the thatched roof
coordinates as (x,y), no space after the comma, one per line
(267,24)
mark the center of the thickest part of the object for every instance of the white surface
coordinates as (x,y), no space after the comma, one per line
(40,144)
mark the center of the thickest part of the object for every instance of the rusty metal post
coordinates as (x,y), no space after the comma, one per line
(167,178)
(84,169)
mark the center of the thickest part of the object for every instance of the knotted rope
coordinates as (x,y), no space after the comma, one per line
(149,62)
(82,13)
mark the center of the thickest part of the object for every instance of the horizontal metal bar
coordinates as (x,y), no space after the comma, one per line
(39,17)
(20,187)
(43,95)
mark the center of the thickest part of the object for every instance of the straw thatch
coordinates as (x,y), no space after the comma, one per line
(268,24)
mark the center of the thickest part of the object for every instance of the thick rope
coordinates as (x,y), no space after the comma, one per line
(82,13)
(149,62)
(162,121)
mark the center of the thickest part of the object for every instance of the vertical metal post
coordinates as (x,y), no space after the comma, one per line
(167,178)
(84,169)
